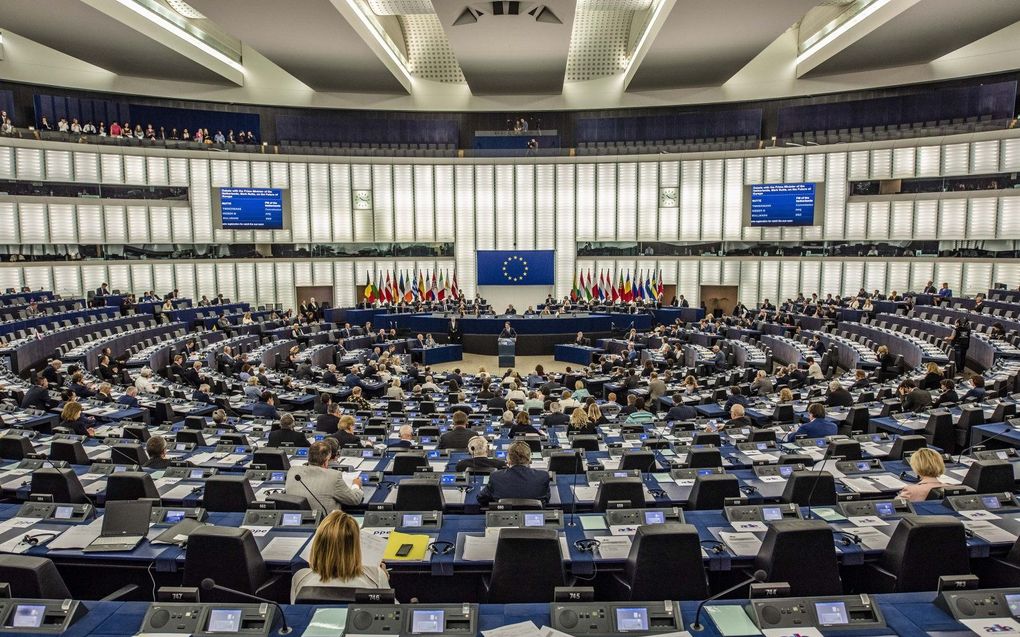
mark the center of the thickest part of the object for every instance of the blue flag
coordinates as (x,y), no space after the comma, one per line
(516,267)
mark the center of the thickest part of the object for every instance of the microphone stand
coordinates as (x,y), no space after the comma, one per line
(209,584)
(759,576)
(297,478)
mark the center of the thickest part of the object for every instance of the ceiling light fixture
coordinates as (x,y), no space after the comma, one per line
(180,33)
(185,9)
(841,29)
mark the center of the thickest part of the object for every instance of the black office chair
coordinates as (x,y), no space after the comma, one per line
(586,442)
(711,491)
(427,430)
(970,416)
(32,577)
(856,421)
(343,595)
(700,458)
(629,490)
(419,495)
(644,578)
(641,460)
(287,502)
(762,435)
(810,488)
(1002,412)
(517,504)
(191,435)
(801,552)
(273,459)
(796,458)
(990,476)
(940,431)
(131,485)
(129,454)
(15,447)
(539,549)
(135,432)
(407,463)
(997,572)
(230,557)
(62,484)
(921,549)
(705,438)
(70,451)
(906,444)
(784,414)
(566,462)
(163,412)
(846,449)
(227,494)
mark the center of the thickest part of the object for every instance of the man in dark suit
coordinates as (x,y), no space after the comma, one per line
(913,398)
(478,447)
(556,416)
(52,372)
(130,397)
(459,435)
(38,396)
(839,397)
(736,397)
(104,370)
(329,421)
(103,290)
(947,394)
(202,396)
(977,390)
(265,407)
(518,480)
(405,439)
(680,411)
(329,376)
(193,375)
(287,434)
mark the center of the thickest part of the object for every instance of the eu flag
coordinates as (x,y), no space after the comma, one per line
(516,267)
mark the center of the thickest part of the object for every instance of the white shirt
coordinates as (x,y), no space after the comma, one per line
(145,385)
(371,577)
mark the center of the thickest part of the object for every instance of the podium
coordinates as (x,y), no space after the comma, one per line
(507,349)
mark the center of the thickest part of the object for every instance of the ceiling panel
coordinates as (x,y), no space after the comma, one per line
(705,42)
(80,31)
(924,32)
(506,53)
(307,38)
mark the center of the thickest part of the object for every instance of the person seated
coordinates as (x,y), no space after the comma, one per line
(817,426)
(736,397)
(395,391)
(912,397)
(580,424)
(71,417)
(478,447)
(932,377)
(580,390)
(155,447)
(976,391)
(201,395)
(324,488)
(405,438)
(129,398)
(105,394)
(518,480)
(861,380)
(738,418)
(345,432)
(335,559)
(329,421)
(762,385)
(640,415)
(556,416)
(458,436)
(839,397)
(595,416)
(947,394)
(144,382)
(928,466)
(680,411)
(287,434)
(814,370)
(266,407)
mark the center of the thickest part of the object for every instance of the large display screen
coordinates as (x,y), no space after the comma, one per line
(781,205)
(252,208)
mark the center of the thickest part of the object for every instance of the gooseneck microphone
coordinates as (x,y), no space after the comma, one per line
(759,576)
(981,446)
(209,584)
(59,469)
(297,477)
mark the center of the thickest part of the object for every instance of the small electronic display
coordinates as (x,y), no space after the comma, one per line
(28,616)
(884,508)
(534,519)
(427,621)
(863,465)
(619,474)
(770,514)
(301,452)
(448,478)
(196,474)
(1013,602)
(278,476)
(119,468)
(173,516)
(832,613)
(411,520)
(991,501)
(63,512)
(240,450)
(224,620)
(762,446)
(705,472)
(785,470)
(501,454)
(655,517)
(434,453)
(291,519)
(367,453)
(181,446)
(631,619)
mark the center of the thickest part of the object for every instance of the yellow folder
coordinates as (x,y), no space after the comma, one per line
(419,542)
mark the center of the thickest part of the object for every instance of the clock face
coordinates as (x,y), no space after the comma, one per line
(668,197)
(362,199)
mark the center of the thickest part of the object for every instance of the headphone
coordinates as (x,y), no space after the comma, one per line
(34,540)
(657,493)
(440,547)
(717,546)
(587,546)
(848,539)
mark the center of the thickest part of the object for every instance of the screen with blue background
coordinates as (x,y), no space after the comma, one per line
(251,208)
(516,267)
(782,204)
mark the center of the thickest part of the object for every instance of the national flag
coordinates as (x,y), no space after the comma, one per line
(432,287)
(594,287)
(628,291)
(454,291)
(369,289)
(639,290)
(649,291)
(662,288)
(421,285)
(408,294)
(574,291)
(441,290)
(618,289)
(603,285)
(587,287)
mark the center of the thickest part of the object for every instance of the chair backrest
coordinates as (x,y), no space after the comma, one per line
(848,449)
(630,490)
(704,458)
(566,462)
(14,447)
(70,451)
(655,545)
(129,454)
(796,458)
(588,443)
(539,549)
(810,488)
(419,495)
(990,476)
(32,577)
(906,444)
(130,485)
(705,438)
(710,491)
(62,484)
(940,431)
(914,543)
(287,502)
(228,555)
(406,464)
(137,432)
(642,460)
(339,595)
(784,413)
(857,418)
(762,435)
(275,459)
(191,435)
(227,494)
(801,552)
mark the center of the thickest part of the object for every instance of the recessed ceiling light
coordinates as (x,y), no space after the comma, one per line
(185,9)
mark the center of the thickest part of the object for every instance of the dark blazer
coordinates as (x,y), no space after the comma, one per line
(287,435)
(264,410)
(840,398)
(456,438)
(202,397)
(192,377)
(37,398)
(946,398)
(556,419)
(347,439)
(399,444)
(916,400)
(523,430)
(157,463)
(496,401)
(130,401)
(681,412)
(106,398)
(480,463)
(327,423)
(974,393)
(79,426)
(516,482)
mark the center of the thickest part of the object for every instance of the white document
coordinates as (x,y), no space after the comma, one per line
(621,529)
(233,458)
(438,466)
(684,482)
(372,547)
(860,485)
(789,632)
(585,493)
(94,487)
(867,520)
(201,458)
(615,547)
(546,631)
(165,482)
(17,523)
(480,549)
(78,536)
(523,629)
(257,531)
(871,537)
(772,479)
(611,464)
(979,515)
(743,544)
(179,492)
(989,532)
(283,549)
(750,527)
(998,626)
(889,481)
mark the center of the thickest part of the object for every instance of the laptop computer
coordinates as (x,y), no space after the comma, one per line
(125,525)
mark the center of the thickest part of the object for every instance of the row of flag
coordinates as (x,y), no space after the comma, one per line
(604,289)
(409,289)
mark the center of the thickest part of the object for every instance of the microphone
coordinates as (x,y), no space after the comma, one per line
(209,584)
(1009,429)
(759,576)
(61,470)
(297,478)
(818,475)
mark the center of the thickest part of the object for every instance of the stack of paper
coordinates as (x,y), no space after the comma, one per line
(283,548)
(989,532)
(860,485)
(871,537)
(614,547)
(742,544)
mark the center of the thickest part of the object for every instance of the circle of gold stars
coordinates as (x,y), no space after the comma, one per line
(524,269)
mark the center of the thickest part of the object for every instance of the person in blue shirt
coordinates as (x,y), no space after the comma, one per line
(129,397)
(977,390)
(945,292)
(817,426)
(266,407)
(736,397)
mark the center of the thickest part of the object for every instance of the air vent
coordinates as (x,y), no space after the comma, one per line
(540,12)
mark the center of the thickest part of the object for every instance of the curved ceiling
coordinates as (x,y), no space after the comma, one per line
(502,54)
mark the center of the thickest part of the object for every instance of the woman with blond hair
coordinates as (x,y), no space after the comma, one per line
(928,466)
(579,422)
(595,416)
(335,559)
(71,418)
